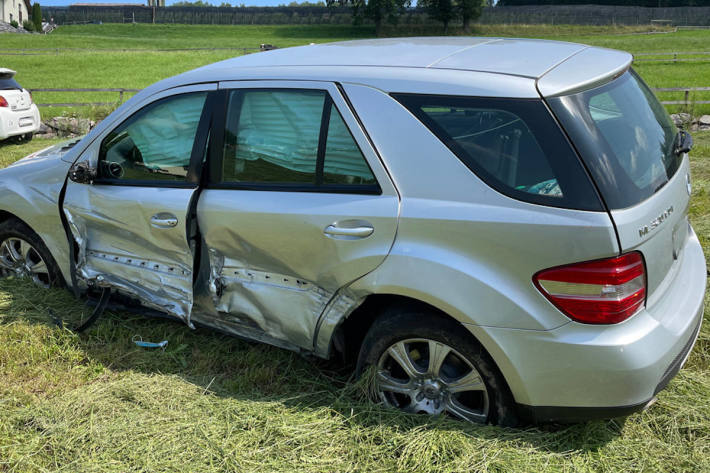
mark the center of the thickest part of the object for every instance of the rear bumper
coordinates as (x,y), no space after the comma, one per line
(14,123)
(579,372)
(541,414)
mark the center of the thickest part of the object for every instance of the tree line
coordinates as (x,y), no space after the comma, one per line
(629,3)
(389,11)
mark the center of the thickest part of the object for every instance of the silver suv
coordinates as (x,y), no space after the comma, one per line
(493,228)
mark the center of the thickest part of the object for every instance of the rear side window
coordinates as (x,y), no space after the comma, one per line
(8,83)
(515,146)
(291,138)
(624,135)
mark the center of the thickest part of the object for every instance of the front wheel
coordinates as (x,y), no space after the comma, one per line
(426,364)
(24,254)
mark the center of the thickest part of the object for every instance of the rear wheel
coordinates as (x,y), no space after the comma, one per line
(23,254)
(425,364)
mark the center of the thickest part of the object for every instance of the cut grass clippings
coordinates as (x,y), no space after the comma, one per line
(97,403)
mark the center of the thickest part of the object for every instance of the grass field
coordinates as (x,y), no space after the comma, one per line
(97,403)
(97,64)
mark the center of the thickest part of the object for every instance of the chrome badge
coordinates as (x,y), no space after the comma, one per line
(643,231)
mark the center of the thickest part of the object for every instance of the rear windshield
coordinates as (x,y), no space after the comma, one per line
(9,83)
(514,146)
(625,137)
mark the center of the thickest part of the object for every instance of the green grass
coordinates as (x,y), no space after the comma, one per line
(96,402)
(94,65)
(11,152)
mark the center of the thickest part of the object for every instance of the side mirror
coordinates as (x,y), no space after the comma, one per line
(82,173)
(684,142)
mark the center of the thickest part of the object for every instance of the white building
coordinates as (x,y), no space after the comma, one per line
(17,10)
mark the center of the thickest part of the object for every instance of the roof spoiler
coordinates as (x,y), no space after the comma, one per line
(6,73)
(591,67)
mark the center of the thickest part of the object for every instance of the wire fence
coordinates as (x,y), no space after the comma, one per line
(121,96)
(523,14)
(679,56)
(687,99)
(58,51)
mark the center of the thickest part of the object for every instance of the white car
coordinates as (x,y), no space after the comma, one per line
(19,116)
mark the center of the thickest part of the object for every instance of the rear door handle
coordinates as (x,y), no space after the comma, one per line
(164,220)
(360,231)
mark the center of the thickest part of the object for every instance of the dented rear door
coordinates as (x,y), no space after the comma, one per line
(298,206)
(132,223)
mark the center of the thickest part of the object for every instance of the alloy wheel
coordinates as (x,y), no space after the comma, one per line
(427,376)
(20,258)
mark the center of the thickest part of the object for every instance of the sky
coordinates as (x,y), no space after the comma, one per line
(249,3)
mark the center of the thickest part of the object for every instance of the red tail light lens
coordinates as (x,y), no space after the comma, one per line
(3,102)
(596,292)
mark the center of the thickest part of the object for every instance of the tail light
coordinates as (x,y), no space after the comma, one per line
(3,102)
(604,291)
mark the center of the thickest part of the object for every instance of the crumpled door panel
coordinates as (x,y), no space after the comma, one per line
(271,265)
(119,248)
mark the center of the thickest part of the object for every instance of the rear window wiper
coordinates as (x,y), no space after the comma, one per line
(683,142)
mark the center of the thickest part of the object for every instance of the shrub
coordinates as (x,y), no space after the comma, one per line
(37,16)
(28,25)
(14,24)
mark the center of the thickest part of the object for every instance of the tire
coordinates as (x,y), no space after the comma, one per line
(21,253)
(27,137)
(468,385)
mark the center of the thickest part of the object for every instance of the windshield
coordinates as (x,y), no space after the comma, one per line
(625,137)
(8,83)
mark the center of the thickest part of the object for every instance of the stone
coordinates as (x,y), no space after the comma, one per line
(69,126)
(704,120)
(681,119)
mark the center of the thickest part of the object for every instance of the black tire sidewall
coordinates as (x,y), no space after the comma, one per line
(15,228)
(400,324)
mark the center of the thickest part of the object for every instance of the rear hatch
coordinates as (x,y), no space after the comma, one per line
(630,146)
(17,98)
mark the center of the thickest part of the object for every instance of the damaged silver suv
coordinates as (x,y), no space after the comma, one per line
(498,227)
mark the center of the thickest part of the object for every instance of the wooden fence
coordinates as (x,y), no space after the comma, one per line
(121,91)
(686,91)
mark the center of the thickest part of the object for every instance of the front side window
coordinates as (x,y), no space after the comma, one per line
(624,135)
(156,143)
(513,145)
(290,138)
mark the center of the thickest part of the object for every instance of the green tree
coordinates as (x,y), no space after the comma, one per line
(469,10)
(441,10)
(378,11)
(198,3)
(37,16)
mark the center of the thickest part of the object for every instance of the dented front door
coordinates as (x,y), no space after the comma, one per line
(298,206)
(131,224)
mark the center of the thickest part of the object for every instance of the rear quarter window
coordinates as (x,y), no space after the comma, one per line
(8,83)
(515,146)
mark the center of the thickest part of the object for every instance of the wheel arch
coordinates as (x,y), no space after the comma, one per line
(348,336)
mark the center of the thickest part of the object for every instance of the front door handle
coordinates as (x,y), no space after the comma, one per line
(361,230)
(164,220)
